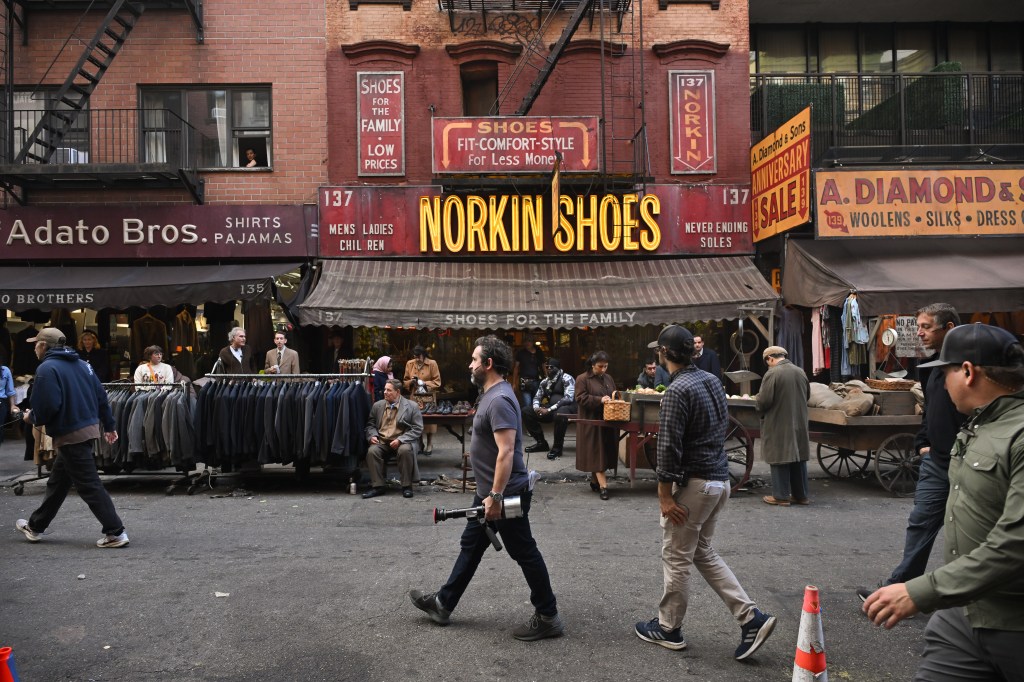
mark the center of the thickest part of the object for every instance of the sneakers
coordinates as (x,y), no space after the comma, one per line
(754,634)
(431,605)
(652,632)
(22,525)
(539,446)
(540,627)
(113,540)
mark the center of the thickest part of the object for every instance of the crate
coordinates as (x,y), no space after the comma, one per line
(894,402)
(644,407)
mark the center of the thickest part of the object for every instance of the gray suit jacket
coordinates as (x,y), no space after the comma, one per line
(410,421)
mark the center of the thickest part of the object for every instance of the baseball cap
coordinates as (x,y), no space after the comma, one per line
(978,344)
(50,335)
(675,338)
(773,350)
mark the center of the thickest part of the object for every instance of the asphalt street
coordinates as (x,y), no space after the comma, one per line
(269,578)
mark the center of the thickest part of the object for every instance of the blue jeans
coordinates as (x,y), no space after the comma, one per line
(789,479)
(925,521)
(76,464)
(518,540)
(527,391)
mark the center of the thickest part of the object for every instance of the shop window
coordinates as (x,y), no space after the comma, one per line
(224,123)
(479,87)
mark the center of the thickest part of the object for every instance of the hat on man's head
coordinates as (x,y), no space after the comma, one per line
(674,338)
(554,362)
(50,335)
(773,350)
(978,344)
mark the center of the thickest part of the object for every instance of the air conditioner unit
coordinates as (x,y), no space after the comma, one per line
(70,155)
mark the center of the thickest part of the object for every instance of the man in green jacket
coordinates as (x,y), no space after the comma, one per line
(978,630)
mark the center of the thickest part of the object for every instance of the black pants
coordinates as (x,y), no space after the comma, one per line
(532,422)
(76,464)
(520,545)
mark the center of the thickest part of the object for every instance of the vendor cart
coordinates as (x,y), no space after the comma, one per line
(848,445)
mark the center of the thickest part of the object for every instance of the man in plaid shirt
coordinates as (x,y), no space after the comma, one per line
(693,487)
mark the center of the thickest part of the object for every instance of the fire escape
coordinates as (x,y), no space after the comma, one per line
(623,136)
(40,147)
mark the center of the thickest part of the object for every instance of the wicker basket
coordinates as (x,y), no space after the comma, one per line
(890,384)
(616,410)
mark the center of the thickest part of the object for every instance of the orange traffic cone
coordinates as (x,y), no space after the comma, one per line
(809,663)
(7,671)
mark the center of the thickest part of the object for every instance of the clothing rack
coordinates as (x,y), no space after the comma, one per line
(270,423)
(190,481)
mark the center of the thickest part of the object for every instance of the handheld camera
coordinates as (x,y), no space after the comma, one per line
(511,508)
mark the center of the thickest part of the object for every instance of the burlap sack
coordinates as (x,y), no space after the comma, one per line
(823,396)
(856,403)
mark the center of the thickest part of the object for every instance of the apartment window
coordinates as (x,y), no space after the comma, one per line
(72,144)
(224,123)
(479,87)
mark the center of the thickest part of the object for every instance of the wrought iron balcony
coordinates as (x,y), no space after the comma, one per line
(936,118)
(125,148)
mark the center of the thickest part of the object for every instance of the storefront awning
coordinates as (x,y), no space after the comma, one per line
(98,286)
(904,275)
(462,295)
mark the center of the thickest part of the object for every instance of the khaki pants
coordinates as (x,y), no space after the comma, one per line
(689,545)
(376,461)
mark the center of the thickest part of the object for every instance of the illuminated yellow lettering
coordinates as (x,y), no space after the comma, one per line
(611,230)
(629,223)
(586,223)
(454,230)
(499,235)
(650,206)
(562,234)
(430,224)
(532,223)
(476,219)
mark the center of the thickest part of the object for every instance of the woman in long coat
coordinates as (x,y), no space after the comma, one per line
(596,447)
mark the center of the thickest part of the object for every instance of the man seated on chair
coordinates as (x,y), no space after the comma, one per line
(393,430)
(555,397)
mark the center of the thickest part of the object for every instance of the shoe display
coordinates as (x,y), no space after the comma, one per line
(429,604)
(407,493)
(373,492)
(22,525)
(555,453)
(754,634)
(768,499)
(540,627)
(539,446)
(604,493)
(113,540)
(652,632)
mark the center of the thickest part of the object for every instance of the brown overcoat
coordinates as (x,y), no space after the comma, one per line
(596,447)
(782,402)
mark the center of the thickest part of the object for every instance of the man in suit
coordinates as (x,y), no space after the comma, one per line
(393,430)
(236,357)
(282,359)
(705,358)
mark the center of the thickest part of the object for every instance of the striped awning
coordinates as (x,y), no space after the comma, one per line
(501,295)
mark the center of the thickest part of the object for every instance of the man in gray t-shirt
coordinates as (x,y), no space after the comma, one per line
(496,453)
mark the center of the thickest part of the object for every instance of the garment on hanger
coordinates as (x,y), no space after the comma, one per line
(147,331)
(790,334)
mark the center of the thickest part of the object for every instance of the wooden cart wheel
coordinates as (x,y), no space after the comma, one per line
(739,449)
(897,464)
(841,462)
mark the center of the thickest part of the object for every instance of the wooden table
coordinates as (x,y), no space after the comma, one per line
(450,422)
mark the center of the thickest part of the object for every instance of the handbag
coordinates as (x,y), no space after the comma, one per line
(616,410)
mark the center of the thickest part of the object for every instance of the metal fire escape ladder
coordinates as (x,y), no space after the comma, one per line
(570,29)
(74,94)
(624,134)
(7,65)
